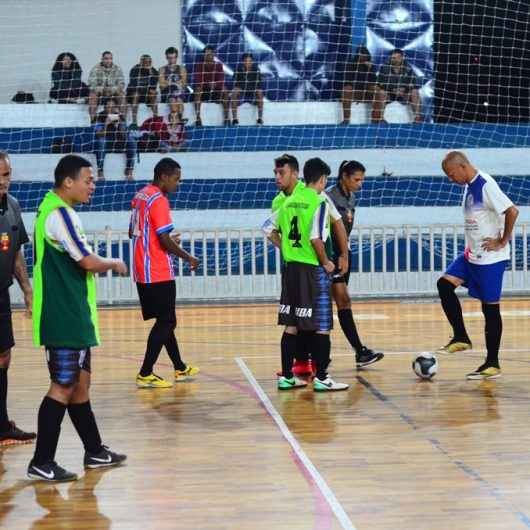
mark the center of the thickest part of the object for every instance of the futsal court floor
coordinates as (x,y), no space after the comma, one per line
(228,451)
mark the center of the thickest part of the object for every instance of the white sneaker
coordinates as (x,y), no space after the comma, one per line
(328,385)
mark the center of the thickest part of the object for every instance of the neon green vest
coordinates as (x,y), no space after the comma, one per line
(295,222)
(64,294)
(280,198)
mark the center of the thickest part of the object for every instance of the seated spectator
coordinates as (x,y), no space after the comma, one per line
(143,80)
(158,134)
(67,86)
(247,85)
(153,134)
(112,136)
(396,82)
(359,82)
(175,126)
(173,79)
(210,85)
(106,81)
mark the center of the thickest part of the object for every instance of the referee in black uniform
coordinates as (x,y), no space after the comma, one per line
(350,180)
(12,237)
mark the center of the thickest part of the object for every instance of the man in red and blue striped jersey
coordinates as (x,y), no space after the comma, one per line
(150,229)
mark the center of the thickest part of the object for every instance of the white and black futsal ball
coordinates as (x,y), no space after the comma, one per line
(425,365)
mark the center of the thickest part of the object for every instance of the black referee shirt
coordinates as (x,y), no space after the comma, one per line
(12,236)
(345,204)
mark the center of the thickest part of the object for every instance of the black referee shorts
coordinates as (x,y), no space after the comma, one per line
(157,299)
(341,278)
(305,301)
(7,340)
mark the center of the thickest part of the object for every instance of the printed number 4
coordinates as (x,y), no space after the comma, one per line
(294,234)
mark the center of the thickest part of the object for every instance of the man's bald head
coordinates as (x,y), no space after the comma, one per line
(457,167)
(455,157)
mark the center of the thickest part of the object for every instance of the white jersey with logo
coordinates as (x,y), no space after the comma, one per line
(484,206)
(65,230)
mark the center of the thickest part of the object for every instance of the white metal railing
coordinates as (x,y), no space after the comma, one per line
(239,264)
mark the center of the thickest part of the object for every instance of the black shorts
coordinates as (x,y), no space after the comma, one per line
(7,340)
(404,99)
(247,95)
(212,96)
(341,278)
(145,95)
(65,364)
(305,301)
(157,299)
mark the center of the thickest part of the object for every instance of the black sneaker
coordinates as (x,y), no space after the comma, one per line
(15,436)
(366,357)
(51,472)
(198,122)
(235,122)
(105,458)
(259,121)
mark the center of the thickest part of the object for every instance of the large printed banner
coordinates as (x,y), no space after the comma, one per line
(301,45)
(408,25)
(295,42)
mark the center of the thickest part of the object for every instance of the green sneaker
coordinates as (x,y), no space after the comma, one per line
(293,382)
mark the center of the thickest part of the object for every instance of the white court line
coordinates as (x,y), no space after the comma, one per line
(506,313)
(334,504)
(448,356)
(367,316)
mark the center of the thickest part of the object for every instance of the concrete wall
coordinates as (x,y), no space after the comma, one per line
(34,32)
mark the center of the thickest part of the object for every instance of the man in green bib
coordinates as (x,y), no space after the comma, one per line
(300,228)
(65,319)
(286,171)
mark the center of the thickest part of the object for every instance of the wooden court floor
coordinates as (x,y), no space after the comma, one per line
(228,451)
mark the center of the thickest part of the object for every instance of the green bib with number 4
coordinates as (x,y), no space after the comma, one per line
(295,222)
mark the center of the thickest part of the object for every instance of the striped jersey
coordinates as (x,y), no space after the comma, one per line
(150,218)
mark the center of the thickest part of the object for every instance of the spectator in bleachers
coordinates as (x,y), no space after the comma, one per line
(247,85)
(153,134)
(143,81)
(359,82)
(106,81)
(209,81)
(397,81)
(173,79)
(67,86)
(112,136)
(163,134)
(175,126)
(159,134)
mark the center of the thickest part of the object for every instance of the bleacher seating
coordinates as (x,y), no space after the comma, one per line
(275,114)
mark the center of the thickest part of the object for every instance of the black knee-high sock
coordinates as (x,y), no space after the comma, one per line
(493,332)
(349,329)
(452,309)
(302,346)
(321,354)
(173,351)
(51,414)
(4,419)
(157,337)
(288,346)
(85,424)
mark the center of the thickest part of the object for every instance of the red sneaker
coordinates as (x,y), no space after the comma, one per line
(302,368)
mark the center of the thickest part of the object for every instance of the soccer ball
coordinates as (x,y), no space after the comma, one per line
(425,365)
